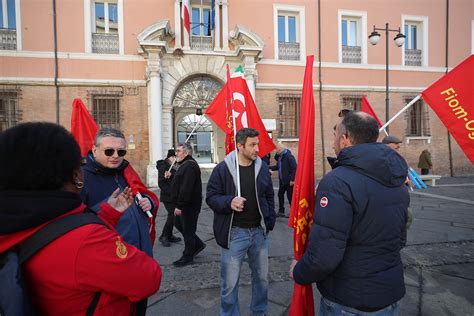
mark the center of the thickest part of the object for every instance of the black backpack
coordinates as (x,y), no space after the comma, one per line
(14,299)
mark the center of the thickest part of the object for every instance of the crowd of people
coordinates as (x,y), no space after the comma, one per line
(359,228)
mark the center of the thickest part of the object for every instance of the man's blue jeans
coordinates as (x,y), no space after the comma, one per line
(329,308)
(254,243)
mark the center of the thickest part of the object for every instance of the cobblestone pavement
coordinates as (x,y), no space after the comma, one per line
(438,260)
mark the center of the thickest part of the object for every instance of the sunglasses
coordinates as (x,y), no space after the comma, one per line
(109,152)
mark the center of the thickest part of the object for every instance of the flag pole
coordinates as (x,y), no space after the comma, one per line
(235,145)
(229,90)
(400,112)
(187,138)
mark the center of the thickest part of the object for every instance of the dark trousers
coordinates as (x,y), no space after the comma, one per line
(281,196)
(141,307)
(425,171)
(171,221)
(192,242)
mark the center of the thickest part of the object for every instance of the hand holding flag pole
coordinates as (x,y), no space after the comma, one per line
(230,98)
(187,138)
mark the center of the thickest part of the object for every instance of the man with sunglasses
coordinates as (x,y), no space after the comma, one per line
(103,173)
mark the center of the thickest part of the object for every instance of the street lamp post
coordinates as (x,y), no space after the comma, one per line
(399,39)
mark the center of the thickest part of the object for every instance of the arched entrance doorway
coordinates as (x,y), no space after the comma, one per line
(189,102)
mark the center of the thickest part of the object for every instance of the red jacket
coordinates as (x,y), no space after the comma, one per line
(65,275)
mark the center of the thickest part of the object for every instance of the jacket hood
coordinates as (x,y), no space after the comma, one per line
(377,161)
(24,212)
(161,163)
(231,165)
(93,166)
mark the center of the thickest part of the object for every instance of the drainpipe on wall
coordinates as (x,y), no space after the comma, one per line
(56,66)
(323,151)
(451,172)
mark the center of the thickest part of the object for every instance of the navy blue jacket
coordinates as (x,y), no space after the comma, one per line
(99,183)
(359,229)
(221,189)
(286,166)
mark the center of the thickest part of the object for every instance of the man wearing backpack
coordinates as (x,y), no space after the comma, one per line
(87,270)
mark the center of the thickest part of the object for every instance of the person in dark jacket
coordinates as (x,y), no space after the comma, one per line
(186,193)
(165,177)
(103,174)
(424,162)
(359,226)
(242,223)
(286,166)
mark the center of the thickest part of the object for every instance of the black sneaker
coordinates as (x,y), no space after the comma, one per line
(181,262)
(164,241)
(174,239)
(281,215)
(198,250)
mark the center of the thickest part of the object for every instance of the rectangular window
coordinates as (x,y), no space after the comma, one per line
(418,119)
(289,115)
(7,14)
(106,111)
(350,40)
(9,113)
(288,36)
(201,21)
(8,32)
(413,43)
(351,102)
(105,28)
(201,28)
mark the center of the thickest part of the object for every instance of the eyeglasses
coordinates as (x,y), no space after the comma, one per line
(109,152)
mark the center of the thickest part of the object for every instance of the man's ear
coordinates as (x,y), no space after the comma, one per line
(94,150)
(346,140)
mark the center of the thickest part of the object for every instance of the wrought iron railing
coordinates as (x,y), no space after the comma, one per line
(203,43)
(351,54)
(7,39)
(413,57)
(288,51)
(103,43)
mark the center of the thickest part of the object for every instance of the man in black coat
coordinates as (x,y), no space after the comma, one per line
(165,177)
(186,192)
(286,166)
(360,214)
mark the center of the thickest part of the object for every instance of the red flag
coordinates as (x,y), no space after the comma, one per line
(302,204)
(451,98)
(137,186)
(186,19)
(229,131)
(83,126)
(365,107)
(245,112)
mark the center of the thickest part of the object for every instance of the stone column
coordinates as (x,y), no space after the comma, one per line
(217,27)
(167,134)
(250,74)
(225,26)
(155,116)
(177,24)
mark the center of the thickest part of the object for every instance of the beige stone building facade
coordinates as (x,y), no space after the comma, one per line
(130,63)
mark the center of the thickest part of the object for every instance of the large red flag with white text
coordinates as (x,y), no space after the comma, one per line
(302,204)
(244,110)
(365,107)
(451,98)
(83,126)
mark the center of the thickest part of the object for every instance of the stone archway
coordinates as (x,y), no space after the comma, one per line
(190,100)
